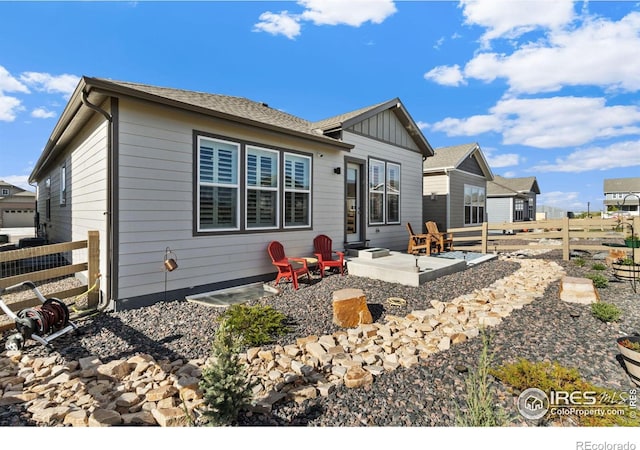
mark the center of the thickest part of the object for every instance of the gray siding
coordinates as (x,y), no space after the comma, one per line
(86,200)
(387,128)
(393,237)
(156,207)
(458,180)
(471,165)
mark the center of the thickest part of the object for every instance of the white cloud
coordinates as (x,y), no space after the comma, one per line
(503,160)
(558,199)
(446,75)
(8,83)
(600,52)
(619,154)
(42,113)
(18,180)
(340,12)
(510,19)
(64,84)
(9,107)
(548,122)
(325,12)
(280,23)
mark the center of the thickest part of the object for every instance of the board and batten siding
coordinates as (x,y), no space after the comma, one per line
(156,206)
(393,237)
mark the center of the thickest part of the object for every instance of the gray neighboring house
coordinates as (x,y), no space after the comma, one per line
(17,206)
(512,199)
(615,191)
(214,179)
(454,187)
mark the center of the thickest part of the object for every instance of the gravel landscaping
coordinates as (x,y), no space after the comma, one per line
(428,394)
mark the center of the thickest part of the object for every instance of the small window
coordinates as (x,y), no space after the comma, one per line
(63,185)
(47,195)
(5,192)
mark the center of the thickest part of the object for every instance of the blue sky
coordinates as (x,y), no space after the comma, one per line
(547,88)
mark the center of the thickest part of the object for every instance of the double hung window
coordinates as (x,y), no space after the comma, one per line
(244,187)
(384,192)
(474,204)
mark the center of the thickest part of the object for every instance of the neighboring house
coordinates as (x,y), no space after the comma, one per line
(454,186)
(512,199)
(615,191)
(17,206)
(214,179)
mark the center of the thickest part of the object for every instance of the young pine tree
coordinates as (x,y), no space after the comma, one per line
(225,383)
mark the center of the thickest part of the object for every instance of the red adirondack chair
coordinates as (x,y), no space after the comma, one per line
(322,249)
(288,268)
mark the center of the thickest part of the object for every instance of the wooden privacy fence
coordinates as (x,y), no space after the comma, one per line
(491,237)
(17,266)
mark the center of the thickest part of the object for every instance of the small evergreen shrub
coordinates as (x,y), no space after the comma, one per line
(256,325)
(598,266)
(481,409)
(599,280)
(607,312)
(225,383)
(580,262)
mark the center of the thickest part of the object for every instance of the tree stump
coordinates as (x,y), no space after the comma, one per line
(350,308)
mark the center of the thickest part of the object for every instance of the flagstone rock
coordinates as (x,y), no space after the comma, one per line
(357,377)
(170,417)
(350,308)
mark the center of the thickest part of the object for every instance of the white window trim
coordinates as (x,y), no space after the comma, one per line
(5,192)
(275,189)
(307,191)
(481,190)
(385,195)
(236,185)
(63,184)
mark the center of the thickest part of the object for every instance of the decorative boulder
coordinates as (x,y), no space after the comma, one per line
(350,308)
(578,290)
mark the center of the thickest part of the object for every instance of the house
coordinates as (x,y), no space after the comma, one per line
(454,186)
(17,206)
(213,179)
(512,199)
(622,195)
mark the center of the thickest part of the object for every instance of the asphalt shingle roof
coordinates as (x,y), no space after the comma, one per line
(448,157)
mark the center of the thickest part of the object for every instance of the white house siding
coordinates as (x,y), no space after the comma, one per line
(393,237)
(156,207)
(435,183)
(499,209)
(86,199)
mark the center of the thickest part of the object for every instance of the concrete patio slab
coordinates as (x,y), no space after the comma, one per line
(399,267)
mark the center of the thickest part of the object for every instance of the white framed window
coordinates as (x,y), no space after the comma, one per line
(5,192)
(297,191)
(218,185)
(393,193)
(262,200)
(474,204)
(63,185)
(244,187)
(518,210)
(47,197)
(384,192)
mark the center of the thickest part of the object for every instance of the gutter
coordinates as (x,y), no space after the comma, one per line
(111,237)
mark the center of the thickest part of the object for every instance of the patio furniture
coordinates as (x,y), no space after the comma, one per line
(288,268)
(419,242)
(322,248)
(445,240)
